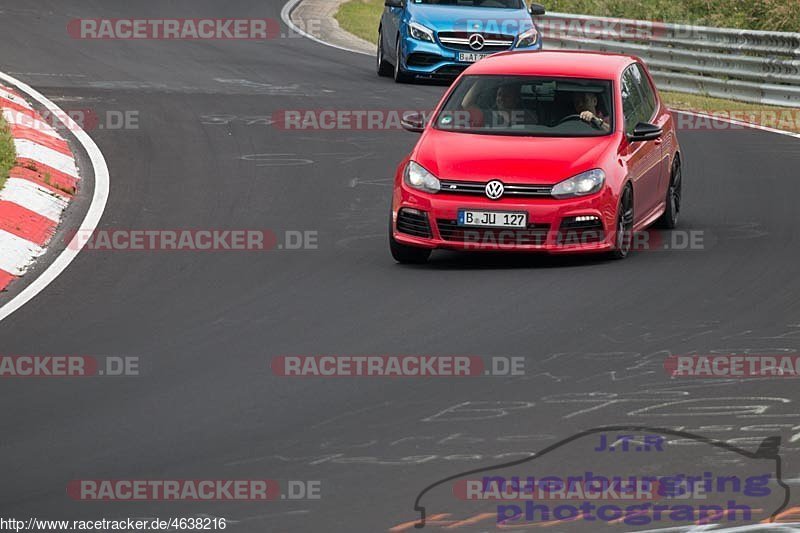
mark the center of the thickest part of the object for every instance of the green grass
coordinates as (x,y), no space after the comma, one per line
(8,155)
(361,18)
(775,15)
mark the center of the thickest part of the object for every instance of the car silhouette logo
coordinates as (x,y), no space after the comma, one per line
(494,189)
(476,41)
(768,451)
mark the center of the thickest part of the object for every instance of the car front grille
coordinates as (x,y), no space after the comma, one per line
(477,187)
(413,222)
(534,234)
(459,40)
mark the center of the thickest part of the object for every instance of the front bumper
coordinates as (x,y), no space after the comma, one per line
(430,60)
(550,228)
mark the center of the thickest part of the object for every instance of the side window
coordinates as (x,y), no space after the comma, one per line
(631,101)
(648,93)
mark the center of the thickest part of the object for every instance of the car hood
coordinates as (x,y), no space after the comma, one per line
(511,159)
(484,19)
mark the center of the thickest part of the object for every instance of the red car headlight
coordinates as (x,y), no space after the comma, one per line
(583,184)
(417,177)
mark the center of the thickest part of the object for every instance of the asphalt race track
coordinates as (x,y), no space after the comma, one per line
(594,333)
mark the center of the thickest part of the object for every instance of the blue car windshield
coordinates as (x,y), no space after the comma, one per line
(530,106)
(507,4)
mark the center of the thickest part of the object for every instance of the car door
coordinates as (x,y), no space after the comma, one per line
(390,24)
(661,118)
(643,158)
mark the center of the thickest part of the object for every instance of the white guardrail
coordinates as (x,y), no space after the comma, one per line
(752,66)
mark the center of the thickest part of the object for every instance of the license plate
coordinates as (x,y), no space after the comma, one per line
(470,57)
(492,219)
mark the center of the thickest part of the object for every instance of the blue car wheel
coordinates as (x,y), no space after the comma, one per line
(400,75)
(384,67)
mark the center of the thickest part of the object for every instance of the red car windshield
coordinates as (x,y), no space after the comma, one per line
(532,106)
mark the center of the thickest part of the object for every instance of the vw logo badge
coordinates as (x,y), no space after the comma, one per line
(476,41)
(494,189)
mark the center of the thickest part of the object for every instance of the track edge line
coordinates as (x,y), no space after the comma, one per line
(286,13)
(93,215)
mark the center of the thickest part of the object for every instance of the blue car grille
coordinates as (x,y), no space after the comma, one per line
(459,40)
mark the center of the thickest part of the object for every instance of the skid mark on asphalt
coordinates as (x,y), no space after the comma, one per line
(346,158)
(382,182)
(629,332)
(439,440)
(289,159)
(225,119)
(351,413)
(223,86)
(263,88)
(48,74)
(358,222)
(277,160)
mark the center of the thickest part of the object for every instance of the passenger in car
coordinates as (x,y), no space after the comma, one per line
(508,107)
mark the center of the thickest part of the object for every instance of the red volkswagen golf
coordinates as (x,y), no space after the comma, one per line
(539,151)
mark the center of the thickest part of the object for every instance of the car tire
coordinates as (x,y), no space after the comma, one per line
(407,255)
(669,220)
(384,67)
(400,75)
(623,233)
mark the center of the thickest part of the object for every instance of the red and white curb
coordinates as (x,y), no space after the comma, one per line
(38,189)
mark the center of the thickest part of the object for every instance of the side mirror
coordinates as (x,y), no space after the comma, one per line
(413,121)
(644,131)
(537,10)
(393,3)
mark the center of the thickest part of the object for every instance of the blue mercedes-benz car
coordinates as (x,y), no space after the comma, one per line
(440,38)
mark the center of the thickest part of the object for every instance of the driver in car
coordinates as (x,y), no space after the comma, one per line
(585,104)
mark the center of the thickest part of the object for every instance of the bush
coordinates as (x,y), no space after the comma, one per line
(8,155)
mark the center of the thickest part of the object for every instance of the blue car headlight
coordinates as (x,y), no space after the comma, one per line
(420,32)
(581,185)
(528,38)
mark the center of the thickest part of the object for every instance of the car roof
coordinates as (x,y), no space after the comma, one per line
(562,63)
